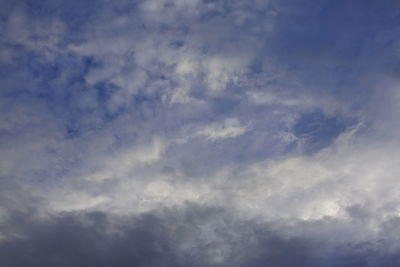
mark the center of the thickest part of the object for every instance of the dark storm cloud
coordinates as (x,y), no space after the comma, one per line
(196,236)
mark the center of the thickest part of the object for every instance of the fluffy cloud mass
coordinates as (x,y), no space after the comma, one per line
(199,133)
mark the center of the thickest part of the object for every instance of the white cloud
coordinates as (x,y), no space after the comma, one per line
(295,188)
(125,162)
(222,71)
(229,128)
(39,35)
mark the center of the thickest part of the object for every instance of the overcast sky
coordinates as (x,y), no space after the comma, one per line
(177,133)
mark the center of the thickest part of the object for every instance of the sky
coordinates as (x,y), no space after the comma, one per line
(204,133)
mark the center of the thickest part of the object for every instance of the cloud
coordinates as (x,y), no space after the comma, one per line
(195,235)
(202,133)
(230,128)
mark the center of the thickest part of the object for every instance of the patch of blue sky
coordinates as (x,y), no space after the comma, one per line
(317,130)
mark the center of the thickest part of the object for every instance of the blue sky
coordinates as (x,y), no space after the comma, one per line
(201,133)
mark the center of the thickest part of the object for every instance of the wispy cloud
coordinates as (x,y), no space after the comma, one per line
(202,133)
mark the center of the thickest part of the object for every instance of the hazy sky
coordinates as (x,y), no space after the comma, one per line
(201,133)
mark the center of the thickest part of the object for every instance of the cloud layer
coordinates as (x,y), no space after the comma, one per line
(201,133)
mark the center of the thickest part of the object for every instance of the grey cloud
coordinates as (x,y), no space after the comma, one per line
(196,236)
